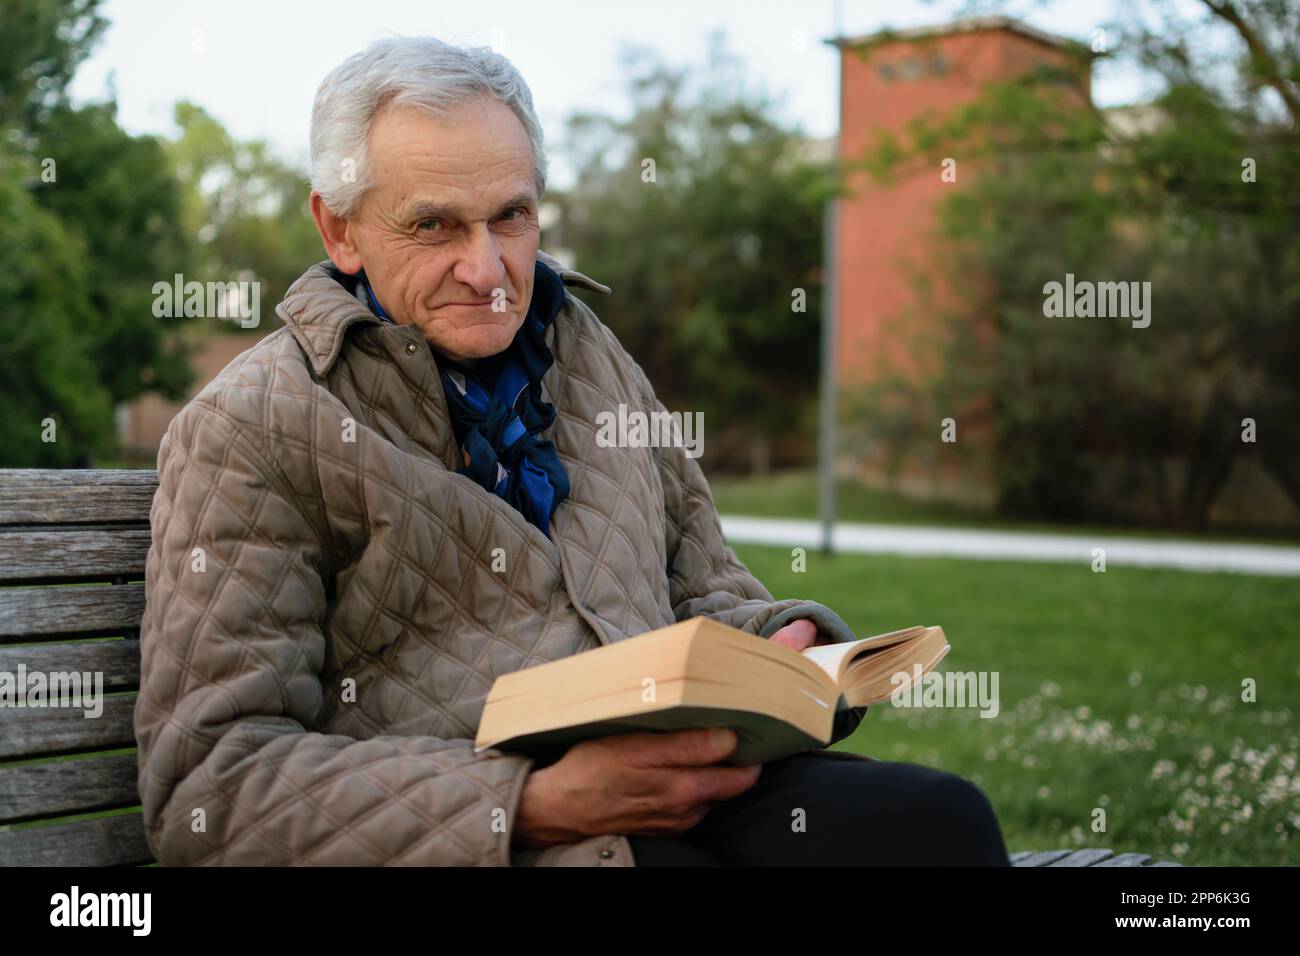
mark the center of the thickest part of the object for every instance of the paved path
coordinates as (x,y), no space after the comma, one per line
(1018,546)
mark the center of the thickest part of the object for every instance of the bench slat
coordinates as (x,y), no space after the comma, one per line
(45,496)
(1042,858)
(1089,857)
(118,661)
(110,841)
(72,555)
(35,731)
(1126,859)
(31,612)
(67,786)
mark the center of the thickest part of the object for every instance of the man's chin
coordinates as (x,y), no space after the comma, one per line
(475,344)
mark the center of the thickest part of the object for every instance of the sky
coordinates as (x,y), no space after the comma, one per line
(255,64)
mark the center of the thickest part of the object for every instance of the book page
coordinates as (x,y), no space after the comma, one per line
(834,659)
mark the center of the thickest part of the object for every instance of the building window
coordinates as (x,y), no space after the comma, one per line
(914,67)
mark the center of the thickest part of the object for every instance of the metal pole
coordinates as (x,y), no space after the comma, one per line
(830,308)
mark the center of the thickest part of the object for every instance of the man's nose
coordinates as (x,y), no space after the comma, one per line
(480,266)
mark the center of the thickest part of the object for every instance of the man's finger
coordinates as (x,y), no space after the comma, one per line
(684,748)
(797,635)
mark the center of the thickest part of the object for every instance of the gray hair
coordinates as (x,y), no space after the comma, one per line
(416,71)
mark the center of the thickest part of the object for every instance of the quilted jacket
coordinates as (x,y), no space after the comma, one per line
(328,603)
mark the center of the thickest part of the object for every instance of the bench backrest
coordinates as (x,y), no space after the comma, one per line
(72,552)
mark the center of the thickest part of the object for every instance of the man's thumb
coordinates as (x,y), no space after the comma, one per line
(708,746)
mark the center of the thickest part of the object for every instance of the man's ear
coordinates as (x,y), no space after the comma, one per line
(336,236)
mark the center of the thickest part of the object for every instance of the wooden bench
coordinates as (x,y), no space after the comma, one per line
(72,553)
(72,550)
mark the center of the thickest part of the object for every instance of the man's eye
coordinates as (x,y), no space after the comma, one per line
(427,225)
(515,212)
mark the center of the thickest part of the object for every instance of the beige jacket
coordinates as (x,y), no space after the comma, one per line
(324,622)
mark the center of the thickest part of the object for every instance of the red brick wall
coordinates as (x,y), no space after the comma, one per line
(884,230)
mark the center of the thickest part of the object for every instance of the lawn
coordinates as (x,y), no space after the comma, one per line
(1119,690)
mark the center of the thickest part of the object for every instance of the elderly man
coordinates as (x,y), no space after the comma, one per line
(399,496)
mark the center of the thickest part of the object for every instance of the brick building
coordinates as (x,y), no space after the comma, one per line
(887,80)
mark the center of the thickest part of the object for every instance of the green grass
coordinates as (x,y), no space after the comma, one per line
(1120,690)
(793,494)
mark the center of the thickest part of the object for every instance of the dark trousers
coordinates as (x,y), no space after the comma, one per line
(815,809)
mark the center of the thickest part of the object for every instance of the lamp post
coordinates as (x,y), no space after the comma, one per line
(830,294)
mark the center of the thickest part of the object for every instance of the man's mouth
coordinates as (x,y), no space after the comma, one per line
(485,304)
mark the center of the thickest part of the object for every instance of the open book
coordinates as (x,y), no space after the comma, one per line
(702,673)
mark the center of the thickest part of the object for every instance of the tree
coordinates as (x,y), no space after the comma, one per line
(91,220)
(1088,415)
(119,195)
(55,411)
(42,44)
(246,208)
(703,213)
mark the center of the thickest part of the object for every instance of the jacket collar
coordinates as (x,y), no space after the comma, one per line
(322,305)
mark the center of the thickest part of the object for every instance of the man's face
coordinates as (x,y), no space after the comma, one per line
(450,226)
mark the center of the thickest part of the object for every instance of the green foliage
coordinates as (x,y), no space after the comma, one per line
(41,45)
(1086,414)
(246,207)
(46,361)
(705,259)
(94,218)
(90,220)
(117,193)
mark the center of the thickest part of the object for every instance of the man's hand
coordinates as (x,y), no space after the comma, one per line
(798,635)
(642,784)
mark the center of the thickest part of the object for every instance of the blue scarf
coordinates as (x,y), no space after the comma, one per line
(498,414)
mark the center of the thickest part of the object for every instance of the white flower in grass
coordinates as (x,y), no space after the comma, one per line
(1163,768)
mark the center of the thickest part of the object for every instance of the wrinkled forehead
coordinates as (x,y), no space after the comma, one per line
(471,163)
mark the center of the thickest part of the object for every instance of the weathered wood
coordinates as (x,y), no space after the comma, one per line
(109,841)
(72,555)
(32,612)
(35,731)
(1126,859)
(118,661)
(36,496)
(67,786)
(1090,857)
(1042,858)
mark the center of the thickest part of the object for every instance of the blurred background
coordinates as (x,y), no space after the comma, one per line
(915,171)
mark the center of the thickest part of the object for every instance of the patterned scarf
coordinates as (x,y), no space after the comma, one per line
(498,414)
